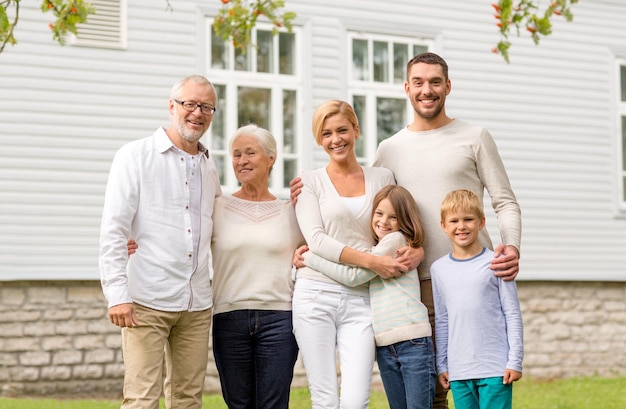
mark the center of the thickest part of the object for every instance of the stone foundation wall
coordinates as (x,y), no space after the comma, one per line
(55,337)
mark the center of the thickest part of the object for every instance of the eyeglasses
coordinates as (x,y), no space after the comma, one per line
(207,109)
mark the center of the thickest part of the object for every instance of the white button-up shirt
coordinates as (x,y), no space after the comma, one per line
(148,199)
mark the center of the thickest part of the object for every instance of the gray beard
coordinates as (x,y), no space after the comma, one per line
(189,136)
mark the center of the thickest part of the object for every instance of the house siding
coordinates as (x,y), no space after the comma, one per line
(64,111)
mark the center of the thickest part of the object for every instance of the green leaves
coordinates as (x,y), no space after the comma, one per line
(523,13)
(236,19)
(6,27)
(68,15)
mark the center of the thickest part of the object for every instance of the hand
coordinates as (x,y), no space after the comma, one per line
(511,376)
(385,266)
(505,262)
(297,256)
(444,381)
(410,257)
(123,315)
(295,189)
(132,247)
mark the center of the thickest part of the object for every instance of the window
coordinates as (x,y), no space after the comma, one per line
(622,135)
(261,86)
(377,77)
(106,28)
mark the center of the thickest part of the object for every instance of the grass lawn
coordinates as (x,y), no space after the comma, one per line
(575,393)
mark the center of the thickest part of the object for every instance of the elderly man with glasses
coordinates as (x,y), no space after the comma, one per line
(161,192)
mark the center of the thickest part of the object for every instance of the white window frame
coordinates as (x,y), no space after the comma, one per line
(372,90)
(620,132)
(232,79)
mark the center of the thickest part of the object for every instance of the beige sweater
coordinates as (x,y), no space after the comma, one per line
(457,156)
(328,225)
(253,245)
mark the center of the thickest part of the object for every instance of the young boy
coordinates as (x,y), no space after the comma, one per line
(478,323)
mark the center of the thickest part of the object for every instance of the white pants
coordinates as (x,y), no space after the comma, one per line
(327,319)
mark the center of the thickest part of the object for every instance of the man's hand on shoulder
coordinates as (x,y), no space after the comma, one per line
(505,263)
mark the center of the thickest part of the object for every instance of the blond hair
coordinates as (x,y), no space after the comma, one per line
(464,200)
(328,109)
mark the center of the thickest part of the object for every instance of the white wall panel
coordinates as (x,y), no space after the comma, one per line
(65,110)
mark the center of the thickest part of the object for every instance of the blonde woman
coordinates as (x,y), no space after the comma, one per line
(333,211)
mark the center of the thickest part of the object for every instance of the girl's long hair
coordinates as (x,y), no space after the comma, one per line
(407,213)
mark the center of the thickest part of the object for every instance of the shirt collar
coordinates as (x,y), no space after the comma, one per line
(164,143)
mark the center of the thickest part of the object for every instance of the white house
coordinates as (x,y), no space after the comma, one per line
(557,113)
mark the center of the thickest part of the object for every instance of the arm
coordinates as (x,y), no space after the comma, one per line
(312,227)
(121,202)
(514,328)
(493,175)
(441,327)
(353,276)
(310,220)
(347,275)
(384,266)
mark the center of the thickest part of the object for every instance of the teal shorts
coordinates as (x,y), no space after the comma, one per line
(485,393)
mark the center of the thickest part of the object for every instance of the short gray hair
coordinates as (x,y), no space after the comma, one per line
(262,135)
(198,79)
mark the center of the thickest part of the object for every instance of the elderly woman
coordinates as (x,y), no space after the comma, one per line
(254,237)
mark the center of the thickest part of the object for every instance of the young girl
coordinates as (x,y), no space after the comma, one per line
(404,347)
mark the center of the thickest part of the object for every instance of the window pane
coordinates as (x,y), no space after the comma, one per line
(623,146)
(254,106)
(265,51)
(289,121)
(359,60)
(286,50)
(400,58)
(390,114)
(218,125)
(221,163)
(623,77)
(242,60)
(418,49)
(219,52)
(624,143)
(358,103)
(381,61)
(290,171)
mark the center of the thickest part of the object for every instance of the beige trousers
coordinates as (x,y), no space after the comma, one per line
(184,336)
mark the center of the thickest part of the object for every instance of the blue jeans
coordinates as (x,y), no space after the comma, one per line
(255,352)
(407,369)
